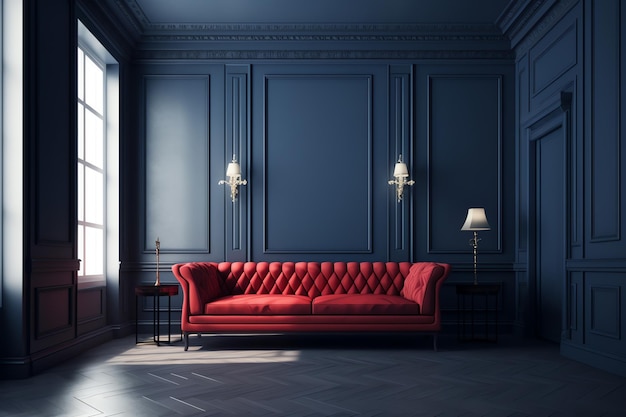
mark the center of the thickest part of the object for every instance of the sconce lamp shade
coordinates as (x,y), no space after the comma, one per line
(476,220)
(400,170)
(233,169)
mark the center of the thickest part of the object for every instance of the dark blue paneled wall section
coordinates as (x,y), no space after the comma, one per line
(319,157)
(177,161)
(317,164)
(182,114)
(572,271)
(317,144)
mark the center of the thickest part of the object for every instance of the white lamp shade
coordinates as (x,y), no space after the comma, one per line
(400,170)
(233,169)
(476,220)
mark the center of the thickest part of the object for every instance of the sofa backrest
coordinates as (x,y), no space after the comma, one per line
(205,281)
(313,278)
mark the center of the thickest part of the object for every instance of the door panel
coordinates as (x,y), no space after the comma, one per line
(550,233)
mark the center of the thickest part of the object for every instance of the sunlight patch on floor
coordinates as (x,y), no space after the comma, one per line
(175,355)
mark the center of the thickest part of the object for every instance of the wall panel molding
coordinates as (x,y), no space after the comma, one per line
(317,165)
(237,143)
(176,163)
(605,311)
(400,143)
(53,318)
(552,58)
(605,156)
(464,116)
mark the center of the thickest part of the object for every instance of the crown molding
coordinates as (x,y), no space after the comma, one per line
(98,21)
(149,55)
(301,41)
(336,34)
(299,28)
(526,21)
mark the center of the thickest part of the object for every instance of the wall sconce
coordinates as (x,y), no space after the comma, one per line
(233,172)
(400,173)
(475,221)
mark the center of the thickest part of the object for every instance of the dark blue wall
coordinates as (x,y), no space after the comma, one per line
(568,89)
(317,143)
(317,132)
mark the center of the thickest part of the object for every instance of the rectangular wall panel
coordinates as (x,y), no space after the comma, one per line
(317,172)
(52,122)
(53,319)
(604,306)
(90,304)
(52,302)
(552,57)
(605,140)
(237,142)
(177,162)
(464,166)
(401,144)
(53,310)
(605,298)
(91,309)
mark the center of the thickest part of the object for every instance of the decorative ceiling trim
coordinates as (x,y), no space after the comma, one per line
(330,37)
(424,28)
(318,54)
(304,41)
(525,21)
(524,40)
(517,14)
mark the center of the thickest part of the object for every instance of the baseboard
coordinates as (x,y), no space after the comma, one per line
(27,366)
(605,361)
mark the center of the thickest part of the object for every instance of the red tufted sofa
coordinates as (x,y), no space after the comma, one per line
(281,297)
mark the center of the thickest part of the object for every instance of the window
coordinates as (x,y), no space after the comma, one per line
(91,167)
(98,131)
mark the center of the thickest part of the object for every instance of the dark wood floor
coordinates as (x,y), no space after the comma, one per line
(318,375)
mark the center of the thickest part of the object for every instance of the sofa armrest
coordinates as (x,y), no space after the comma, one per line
(423,283)
(200,284)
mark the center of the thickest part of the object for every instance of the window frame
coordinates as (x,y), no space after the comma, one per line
(86,166)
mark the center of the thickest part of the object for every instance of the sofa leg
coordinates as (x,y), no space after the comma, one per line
(435,342)
(186,337)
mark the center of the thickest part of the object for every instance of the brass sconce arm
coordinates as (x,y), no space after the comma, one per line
(233,182)
(400,183)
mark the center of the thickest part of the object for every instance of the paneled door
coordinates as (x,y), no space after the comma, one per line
(550,232)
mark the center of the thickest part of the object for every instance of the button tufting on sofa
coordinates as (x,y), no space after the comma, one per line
(262,297)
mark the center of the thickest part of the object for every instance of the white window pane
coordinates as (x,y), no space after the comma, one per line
(81,253)
(81,192)
(94,147)
(81,131)
(94,85)
(94,202)
(94,264)
(81,76)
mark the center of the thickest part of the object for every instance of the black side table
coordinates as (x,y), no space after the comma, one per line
(156,292)
(478,296)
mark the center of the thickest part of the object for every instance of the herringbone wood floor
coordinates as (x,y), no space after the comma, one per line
(318,375)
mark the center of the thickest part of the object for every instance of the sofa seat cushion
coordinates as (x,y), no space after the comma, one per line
(259,304)
(363,304)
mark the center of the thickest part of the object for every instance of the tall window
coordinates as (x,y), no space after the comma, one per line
(91,167)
